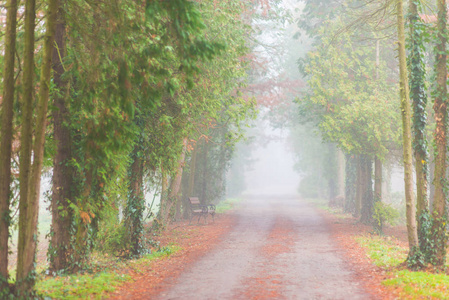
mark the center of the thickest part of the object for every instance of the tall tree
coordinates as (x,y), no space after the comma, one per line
(406,134)
(439,213)
(29,206)
(25,278)
(6,137)
(62,186)
(419,102)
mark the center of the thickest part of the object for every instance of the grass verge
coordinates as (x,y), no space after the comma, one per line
(408,284)
(387,254)
(102,281)
(227,204)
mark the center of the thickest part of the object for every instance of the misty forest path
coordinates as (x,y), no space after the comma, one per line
(280,248)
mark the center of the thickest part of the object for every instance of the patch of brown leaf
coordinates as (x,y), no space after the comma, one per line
(194,240)
(344,231)
(264,286)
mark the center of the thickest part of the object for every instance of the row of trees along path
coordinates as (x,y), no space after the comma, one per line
(131,95)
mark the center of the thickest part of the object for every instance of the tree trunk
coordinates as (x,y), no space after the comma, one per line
(367,191)
(377,179)
(331,175)
(440,107)
(419,101)
(203,194)
(23,256)
(359,187)
(62,172)
(173,193)
(191,182)
(340,176)
(6,137)
(350,184)
(30,208)
(406,134)
(136,203)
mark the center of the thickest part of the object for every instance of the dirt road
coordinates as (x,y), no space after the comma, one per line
(280,249)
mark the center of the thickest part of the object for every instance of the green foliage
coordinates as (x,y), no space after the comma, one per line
(384,251)
(438,240)
(384,213)
(424,233)
(101,281)
(93,286)
(420,285)
(227,205)
(409,284)
(354,103)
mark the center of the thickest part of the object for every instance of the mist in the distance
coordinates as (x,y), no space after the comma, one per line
(272,169)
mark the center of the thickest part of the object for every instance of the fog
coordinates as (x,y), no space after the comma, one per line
(272,170)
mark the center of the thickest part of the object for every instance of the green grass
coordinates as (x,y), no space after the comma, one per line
(383,251)
(101,283)
(420,285)
(93,286)
(228,204)
(409,284)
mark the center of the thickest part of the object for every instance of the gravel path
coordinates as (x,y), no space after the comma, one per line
(280,249)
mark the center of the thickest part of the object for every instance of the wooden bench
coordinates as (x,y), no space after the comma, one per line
(200,210)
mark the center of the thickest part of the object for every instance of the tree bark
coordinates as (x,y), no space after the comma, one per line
(331,175)
(340,174)
(377,179)
(350,183)
(136,203)
(191,182)
(23,255)
(419,101)
(204,183)
(367,190)
(62,171)
(175,185)
(6,137)
(28,230)
(440,108)
(406,133)
(359,187)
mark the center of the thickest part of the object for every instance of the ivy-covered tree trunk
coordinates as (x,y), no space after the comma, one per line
(24,278)
(419,103)
(367,190)
(6,137)
(62,214)
(406,134)
(136,204)
(350,183)
(29,206)
(175,185)
(439,232)
(204,181)
(191,183)
(378,195)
